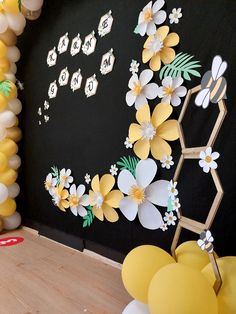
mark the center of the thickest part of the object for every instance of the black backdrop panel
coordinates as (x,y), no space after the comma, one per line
(87,135)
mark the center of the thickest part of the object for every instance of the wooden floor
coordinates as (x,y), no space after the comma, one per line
(41,276)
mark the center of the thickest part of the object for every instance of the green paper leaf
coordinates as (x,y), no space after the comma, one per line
(19,5)
(88,219)
(5,88)
(169,205)
(56,174)
(136,30)
(128,163)
(181,66)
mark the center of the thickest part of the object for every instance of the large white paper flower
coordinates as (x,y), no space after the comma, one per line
(150,16)
(65,177)
(50,184)
(171,90)
(140,90)
(77,200)
(142,194)
(208,158)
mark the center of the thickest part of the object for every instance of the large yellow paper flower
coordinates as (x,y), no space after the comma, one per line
(153,132)
(157,48)
(60,197)
(103,199)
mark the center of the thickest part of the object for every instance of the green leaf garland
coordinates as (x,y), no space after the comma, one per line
(5,88)
(88,219)
(129,163)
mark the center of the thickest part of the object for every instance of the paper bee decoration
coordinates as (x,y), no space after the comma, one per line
(213,84)
(52,57)
(63,44)
(75,45)
(91,86)
(206,241)
(89,44)
(76,80)
(64,77)
(52,91)
(105,24)
(108,60)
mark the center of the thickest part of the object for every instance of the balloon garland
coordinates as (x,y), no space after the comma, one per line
(13,15)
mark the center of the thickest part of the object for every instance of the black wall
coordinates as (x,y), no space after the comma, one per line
(87,135)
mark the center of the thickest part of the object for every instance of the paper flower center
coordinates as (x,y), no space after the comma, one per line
(208,159)
(168,91)
(74,200)
(148,16)
(63,178)
(176,15)
(48,185)
(172,190)
(137,89)
(148,130)
(98,200)
(156,44)
(137,194)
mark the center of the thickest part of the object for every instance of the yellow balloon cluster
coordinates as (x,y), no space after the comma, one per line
(185,286)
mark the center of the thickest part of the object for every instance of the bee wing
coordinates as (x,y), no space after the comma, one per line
(218,67)
(201,244)
(209,236)
(203,98)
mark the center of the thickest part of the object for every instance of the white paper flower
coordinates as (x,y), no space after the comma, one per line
(128,143)
(142,194)
(134,67)
(208,158)
(77,200)
(140,90)
(172,191)
(176,204)
(167,162)
(65,177)
(113,170)
(164,227)
(150,16)
(50,184)
(171,90)
(175,15)
(170,218)
(87,178)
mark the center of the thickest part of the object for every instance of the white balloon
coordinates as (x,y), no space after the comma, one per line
(7,119)
(3,193)
(16,22)
(136,307)
(3,133)
(10,76)
(32,5)
(13,54)
(14,162)
(13,68)
(15,105)
(13,190)
(3,23)
(12,222)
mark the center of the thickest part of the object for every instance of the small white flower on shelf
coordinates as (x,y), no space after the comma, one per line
(134,67)
(176,204)
(65,177)
(172,191)
(171,90)
(167,162)
(77,200)
(175,15)
(208,158)
(170,218)
(128,143)
(87,178)
(113,170)
(141,89)
(164,227)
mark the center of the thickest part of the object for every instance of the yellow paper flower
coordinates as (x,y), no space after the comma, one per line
(60,197)
(103,199)
(152,133)
(157,48)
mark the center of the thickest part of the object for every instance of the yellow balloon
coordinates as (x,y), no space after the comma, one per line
(179,289)
(11,6)
(14,134)
(8,147)
(227,294)
(3,103)
(3,162)
(8,207)
(8,177)
(3,49)
(4,65)
(190,254)
(139,266)
(9,37)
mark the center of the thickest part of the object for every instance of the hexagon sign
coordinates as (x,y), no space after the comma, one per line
(52,91)
(105,24)
(89,44)
(75,45)
(52,57)
(76,80)
(107,63)
(63,44)
(64,77)
(91,86)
